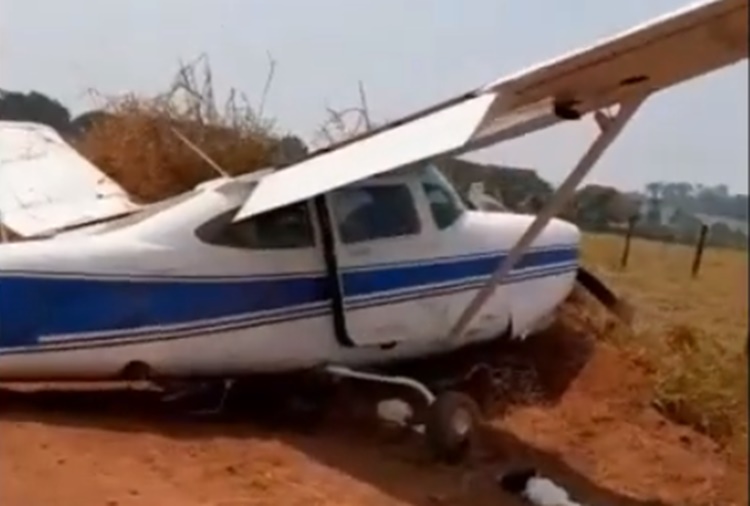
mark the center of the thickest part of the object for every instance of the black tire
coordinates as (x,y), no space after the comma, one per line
(450,425)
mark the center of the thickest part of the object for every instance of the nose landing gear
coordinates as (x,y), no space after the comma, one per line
(450,425)
(448,420)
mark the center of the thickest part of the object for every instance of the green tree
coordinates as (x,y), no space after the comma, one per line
(35,107)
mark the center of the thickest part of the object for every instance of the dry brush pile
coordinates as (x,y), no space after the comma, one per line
(136,140)
(136,144)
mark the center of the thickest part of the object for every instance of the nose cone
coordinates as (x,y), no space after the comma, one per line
(563,232)
(565,238)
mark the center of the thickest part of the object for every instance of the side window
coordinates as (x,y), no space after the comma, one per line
(284,228)
(445,206)
(374,212)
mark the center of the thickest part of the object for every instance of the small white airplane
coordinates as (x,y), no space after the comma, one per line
(349,262)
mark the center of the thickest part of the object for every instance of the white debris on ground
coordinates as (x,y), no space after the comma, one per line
(539,491)
(395,411)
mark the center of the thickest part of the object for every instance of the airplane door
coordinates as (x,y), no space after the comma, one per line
(380,252)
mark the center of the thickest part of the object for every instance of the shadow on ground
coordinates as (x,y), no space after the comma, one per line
(539,371)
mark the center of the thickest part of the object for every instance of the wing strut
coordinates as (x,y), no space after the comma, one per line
(610,128)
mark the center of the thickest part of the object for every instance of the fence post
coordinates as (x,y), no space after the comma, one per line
(626,250)
(699,249)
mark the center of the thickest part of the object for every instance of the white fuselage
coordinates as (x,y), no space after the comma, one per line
(187,293)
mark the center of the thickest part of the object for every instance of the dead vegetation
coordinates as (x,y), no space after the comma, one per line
(137,140)
(136,144)
(702,383)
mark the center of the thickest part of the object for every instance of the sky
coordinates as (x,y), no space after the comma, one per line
(408,54)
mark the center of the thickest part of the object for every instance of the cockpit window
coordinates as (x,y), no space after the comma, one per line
(284,228)
(445,205)
(365,213)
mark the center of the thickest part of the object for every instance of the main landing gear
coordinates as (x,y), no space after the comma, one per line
(448,419)
(448,412)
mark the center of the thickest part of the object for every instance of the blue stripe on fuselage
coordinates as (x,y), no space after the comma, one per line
(33,305)
(375,282)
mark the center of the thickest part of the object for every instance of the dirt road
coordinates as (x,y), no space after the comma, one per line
(593,431)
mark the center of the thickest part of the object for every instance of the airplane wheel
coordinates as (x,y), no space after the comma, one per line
(450,424)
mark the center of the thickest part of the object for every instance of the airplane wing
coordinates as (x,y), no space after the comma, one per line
(46,185)
(664,52)
(658,54)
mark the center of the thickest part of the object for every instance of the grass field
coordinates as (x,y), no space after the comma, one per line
(691,332)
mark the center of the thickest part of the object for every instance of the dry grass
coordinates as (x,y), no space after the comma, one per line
(138,147)
(692,331)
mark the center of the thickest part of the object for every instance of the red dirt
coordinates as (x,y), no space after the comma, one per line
(593,432)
